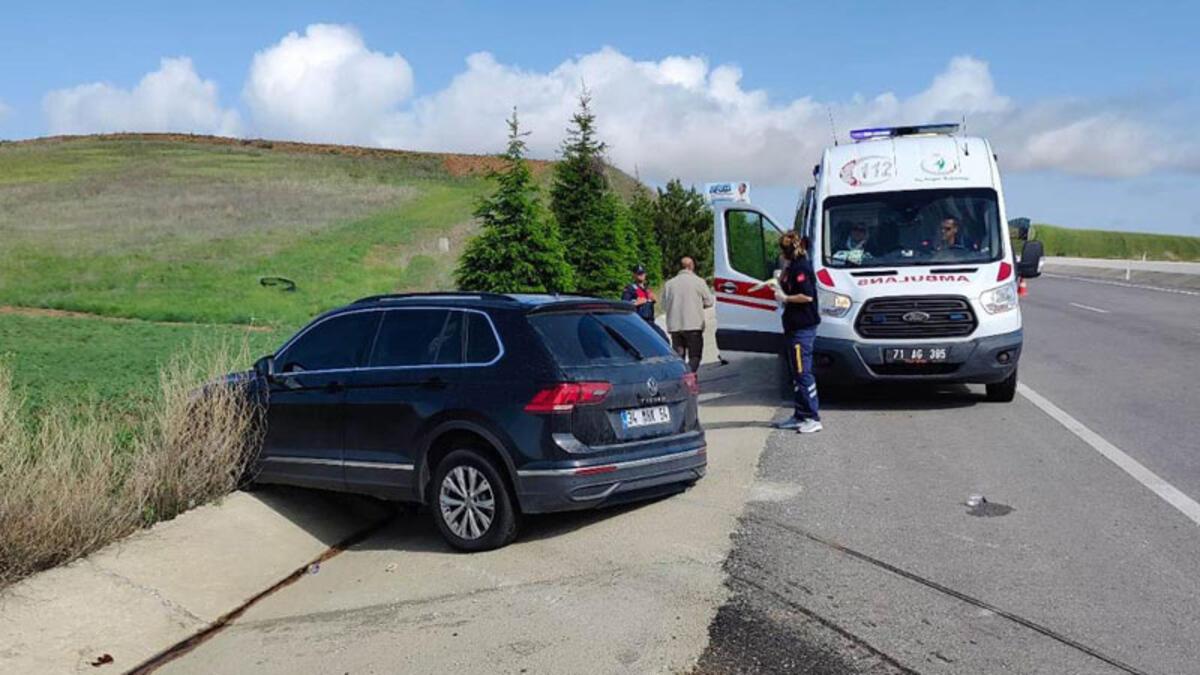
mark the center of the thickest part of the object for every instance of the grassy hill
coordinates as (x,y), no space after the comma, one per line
(175,232)
(1063,241)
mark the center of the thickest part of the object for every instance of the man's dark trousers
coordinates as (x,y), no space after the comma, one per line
(804,381)
(689,344)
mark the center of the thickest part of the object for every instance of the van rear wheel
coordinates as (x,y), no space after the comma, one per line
(1003,391)
(470,503)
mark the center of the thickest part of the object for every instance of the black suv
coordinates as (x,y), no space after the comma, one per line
(482,406)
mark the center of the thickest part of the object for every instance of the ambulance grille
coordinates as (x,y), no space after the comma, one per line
(944,316)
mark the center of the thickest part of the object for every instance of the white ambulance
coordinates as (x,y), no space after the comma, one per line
(916,275)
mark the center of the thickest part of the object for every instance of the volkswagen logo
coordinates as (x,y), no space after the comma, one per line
(915,317)
(652,386)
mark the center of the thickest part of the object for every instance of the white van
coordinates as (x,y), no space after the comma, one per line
(916,275)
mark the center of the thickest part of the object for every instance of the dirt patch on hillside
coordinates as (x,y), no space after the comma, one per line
(456,164)
(483,165)
(67,314)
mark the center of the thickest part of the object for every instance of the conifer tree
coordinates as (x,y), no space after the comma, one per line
(641,217)
(593,221)
(683,223)
(518,248)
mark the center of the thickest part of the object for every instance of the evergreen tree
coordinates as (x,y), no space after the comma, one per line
(683,223)
(642,218)
(518,248)
(591,218)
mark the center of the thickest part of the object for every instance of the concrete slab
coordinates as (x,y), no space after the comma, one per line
(142,595)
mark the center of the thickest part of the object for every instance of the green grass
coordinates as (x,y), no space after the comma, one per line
(165,230)
(177,231)
(71,360)
(1063,241)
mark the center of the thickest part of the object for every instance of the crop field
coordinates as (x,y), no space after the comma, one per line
(134,269)
(174,235)
(1063,241)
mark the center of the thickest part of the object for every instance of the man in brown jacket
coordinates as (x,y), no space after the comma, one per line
(685,298)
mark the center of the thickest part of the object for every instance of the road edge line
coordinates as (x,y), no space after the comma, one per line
(1167,492)
(1122,284)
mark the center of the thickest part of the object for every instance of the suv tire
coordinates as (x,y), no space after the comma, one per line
(1003,391)
(470,502)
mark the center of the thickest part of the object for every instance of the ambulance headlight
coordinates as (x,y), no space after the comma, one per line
(1000,299)
(833,304)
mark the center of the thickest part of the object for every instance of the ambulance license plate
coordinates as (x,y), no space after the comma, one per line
(915,354)
(644,417)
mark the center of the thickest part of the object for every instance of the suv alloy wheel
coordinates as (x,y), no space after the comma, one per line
(470,503)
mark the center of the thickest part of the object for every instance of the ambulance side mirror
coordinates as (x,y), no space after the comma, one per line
(1031,260)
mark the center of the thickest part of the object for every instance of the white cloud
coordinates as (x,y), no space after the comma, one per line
(679,116)
(4,110)
(325,85)
(172,98)
(1105,144)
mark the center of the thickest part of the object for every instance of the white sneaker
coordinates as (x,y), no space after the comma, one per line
(809,427)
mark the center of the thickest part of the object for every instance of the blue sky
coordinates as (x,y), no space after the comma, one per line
(1093,107)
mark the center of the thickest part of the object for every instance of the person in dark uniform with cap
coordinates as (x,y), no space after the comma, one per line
(797,292)
(643,298)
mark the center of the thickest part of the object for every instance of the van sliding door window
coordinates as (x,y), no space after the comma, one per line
(752,243)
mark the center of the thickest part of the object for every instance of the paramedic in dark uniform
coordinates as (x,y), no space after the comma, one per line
(797,292)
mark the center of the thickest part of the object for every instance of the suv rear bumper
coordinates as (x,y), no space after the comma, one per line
(972,361)
(569,486)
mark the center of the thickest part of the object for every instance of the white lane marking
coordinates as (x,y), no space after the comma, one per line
(1106,282)
(1169,493)
(1089,307)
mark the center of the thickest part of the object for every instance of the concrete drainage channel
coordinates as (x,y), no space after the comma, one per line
(149,598)
(312,567)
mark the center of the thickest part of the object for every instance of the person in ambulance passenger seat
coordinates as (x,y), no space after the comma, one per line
(797,292)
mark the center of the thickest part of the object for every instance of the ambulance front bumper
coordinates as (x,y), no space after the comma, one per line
(984,360)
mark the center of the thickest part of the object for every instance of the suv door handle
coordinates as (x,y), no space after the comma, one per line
(434,383)
(729,287)
(335,387)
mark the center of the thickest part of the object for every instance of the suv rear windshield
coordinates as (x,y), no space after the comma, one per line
(599,338)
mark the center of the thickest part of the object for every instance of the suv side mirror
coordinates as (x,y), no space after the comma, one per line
(1031,260)
(265,367)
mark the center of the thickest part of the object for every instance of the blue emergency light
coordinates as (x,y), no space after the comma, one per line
(893,132)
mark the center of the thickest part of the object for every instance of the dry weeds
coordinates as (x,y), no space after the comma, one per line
(74,481)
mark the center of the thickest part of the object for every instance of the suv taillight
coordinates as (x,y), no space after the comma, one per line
(562,398)
(692,384)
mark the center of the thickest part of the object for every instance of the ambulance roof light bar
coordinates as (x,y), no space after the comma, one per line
(893,132)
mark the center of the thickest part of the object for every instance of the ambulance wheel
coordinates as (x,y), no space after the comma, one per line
(1004,391)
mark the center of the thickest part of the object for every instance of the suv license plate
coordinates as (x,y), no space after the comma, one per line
(643,417)
(915,354)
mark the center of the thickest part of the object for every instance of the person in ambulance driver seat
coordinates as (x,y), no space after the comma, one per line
(797,292)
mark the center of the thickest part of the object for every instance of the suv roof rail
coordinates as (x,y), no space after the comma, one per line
(436,294)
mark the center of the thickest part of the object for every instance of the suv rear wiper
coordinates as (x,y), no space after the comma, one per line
(622,340)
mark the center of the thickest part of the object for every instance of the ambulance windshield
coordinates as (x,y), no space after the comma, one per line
(915,227)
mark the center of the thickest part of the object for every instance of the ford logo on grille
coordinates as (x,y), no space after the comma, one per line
(915,317)
(652,386)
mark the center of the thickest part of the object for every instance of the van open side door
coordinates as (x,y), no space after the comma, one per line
(746,243)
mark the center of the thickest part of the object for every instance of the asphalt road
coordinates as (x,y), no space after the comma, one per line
(853,550)
(861,555)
